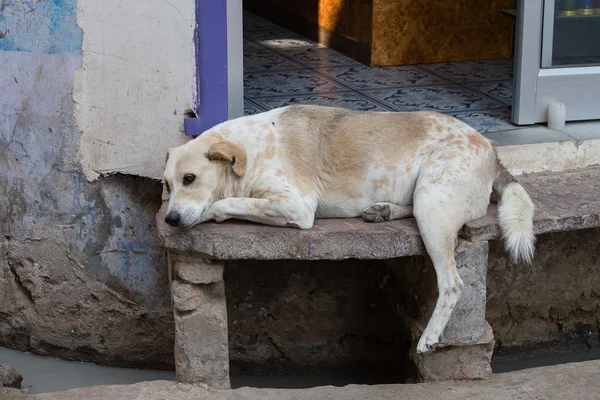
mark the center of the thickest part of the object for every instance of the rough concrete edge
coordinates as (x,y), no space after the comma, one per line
(541,226)
(551,156)
(86,151)
(577,380)
(78,110)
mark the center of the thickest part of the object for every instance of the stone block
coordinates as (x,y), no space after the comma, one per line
(415,295)
(201,347)
(194,269)
(455,362)
(189,297)
(467,324)
(556,208)
(467,342)
(9,376)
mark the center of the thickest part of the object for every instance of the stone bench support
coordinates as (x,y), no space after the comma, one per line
(200,310)
(467,344)
(201,340)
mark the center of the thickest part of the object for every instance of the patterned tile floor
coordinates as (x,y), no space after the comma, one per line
(282,68)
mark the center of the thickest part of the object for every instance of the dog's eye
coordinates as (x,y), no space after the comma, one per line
(188,178)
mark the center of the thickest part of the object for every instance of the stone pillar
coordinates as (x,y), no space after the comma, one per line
(468,342)
(201,339)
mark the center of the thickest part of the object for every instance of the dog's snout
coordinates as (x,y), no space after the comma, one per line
(173,218)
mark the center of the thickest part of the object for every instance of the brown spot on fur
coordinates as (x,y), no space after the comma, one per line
(270,147)
(381,182)
(478,141)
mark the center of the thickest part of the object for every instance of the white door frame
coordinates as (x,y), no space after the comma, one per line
(535,88)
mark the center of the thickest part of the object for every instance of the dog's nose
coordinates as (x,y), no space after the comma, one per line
(173,218)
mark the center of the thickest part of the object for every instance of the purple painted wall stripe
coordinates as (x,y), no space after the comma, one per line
(211,66)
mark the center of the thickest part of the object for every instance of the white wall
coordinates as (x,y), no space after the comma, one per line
(136,80)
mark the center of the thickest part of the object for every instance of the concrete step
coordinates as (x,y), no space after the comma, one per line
(564,201)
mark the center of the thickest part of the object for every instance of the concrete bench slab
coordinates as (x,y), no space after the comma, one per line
(329,239)
(564,201)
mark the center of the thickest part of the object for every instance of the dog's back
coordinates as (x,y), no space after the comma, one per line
(349,160)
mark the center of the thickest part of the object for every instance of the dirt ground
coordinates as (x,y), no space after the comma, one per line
(568,381)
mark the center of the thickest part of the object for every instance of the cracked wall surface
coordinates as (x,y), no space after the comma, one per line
(321,316)
(136,81)
(82,274)
(556,300)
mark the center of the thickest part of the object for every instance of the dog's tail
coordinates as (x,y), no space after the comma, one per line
(515,212)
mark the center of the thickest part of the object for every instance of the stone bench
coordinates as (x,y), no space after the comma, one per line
(564,201)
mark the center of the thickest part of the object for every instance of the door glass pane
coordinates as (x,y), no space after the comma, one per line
(576,33)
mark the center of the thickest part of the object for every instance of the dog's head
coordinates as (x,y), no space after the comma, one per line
(195,177)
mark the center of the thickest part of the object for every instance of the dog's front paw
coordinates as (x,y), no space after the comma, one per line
(377,213)
(428,343)
(214,214)
(206,216)
(219,218)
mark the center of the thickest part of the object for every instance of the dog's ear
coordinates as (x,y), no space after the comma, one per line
(229,152)
(168,153)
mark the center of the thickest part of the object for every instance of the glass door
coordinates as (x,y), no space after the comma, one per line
(571,34)
(557,59)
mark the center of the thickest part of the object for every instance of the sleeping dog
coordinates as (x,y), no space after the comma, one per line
(288,166)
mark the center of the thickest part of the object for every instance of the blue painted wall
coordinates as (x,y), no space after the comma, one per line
(82,273)
(40,27)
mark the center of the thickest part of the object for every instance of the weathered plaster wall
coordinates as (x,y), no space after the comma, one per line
(136,81)
(321,316)
(557,299)
(82,274)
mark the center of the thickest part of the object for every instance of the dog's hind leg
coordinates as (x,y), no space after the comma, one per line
(439,236)
(447,195)
(385,211)
(440,212)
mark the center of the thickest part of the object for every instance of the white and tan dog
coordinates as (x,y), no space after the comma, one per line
(288,166)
